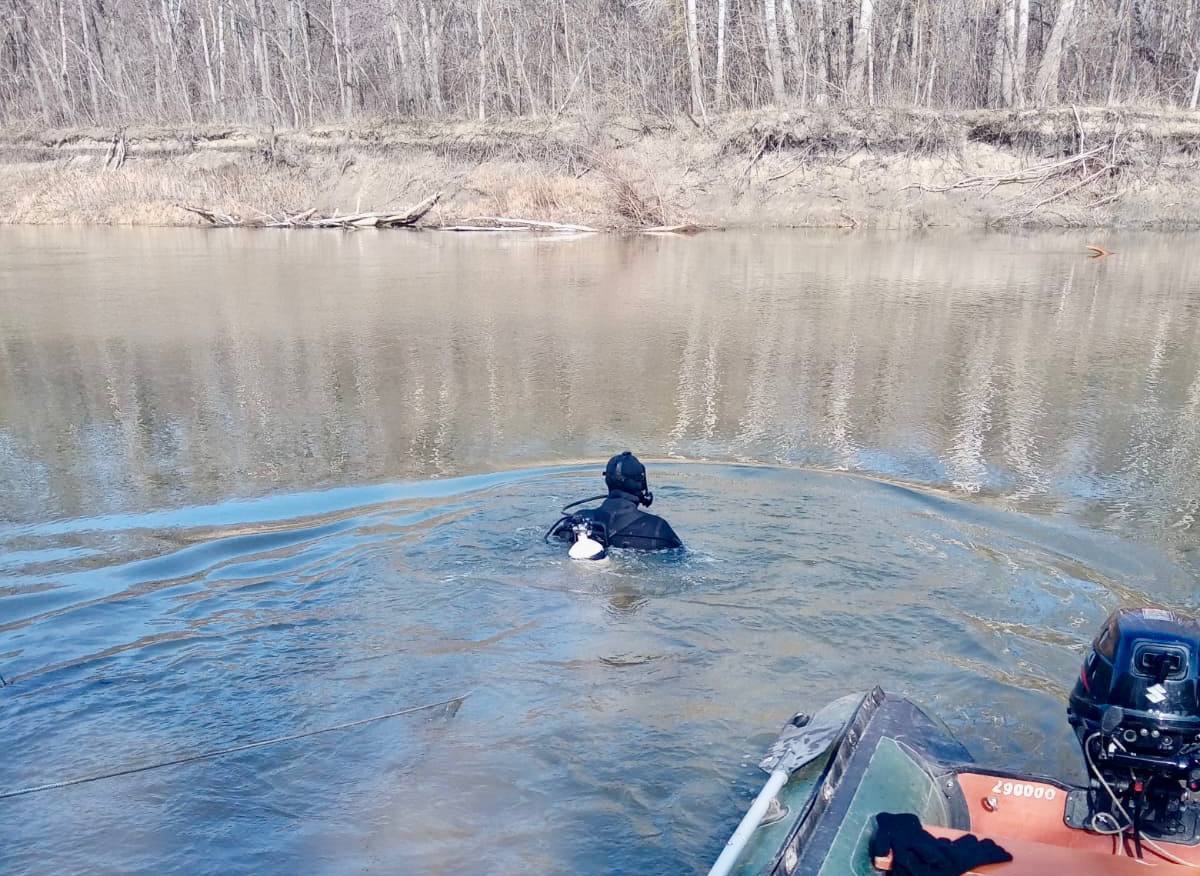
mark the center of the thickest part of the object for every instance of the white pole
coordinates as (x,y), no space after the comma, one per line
(749,824)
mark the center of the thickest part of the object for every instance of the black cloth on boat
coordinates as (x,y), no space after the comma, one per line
(917,852)
(625,525)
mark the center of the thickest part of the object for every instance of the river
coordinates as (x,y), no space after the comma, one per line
(256,483)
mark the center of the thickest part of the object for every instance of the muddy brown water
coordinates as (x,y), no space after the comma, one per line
(255,483)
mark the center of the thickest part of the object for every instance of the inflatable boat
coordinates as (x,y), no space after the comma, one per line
(1134,710)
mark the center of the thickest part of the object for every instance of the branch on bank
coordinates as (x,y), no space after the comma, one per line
(1034,175)
(311,219)
(1098,164)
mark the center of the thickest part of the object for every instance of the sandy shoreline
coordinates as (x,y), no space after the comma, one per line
(881,169)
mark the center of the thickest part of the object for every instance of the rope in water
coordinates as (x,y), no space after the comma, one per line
(221,752)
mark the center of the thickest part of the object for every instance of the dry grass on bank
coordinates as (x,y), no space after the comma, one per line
(138,194)
(866,168)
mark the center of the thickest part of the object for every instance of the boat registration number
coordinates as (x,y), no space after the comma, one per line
(1022,789)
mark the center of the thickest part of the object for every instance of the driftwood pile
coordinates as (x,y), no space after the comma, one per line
(352,221)
(312,219)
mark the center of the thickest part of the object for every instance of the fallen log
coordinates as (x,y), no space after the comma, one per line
(311,219)
(213,216)
(493,228)
(687,228)
(415,214)
(533,224)
(291,221)
(336,221)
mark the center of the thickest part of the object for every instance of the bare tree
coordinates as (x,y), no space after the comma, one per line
(1046,86)
(818,17)
(693,52)
(774,54)
(722,17)
(1021,59)
(1004,54)
(431,24)
(795,50)
(339,64)
(861,61)
(1120,52)
(482,61)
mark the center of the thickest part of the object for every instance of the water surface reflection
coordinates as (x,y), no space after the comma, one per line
(147,368)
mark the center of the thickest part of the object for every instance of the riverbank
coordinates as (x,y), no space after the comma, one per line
(823,168)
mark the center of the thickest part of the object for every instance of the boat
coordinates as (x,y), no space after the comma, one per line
(1134,711)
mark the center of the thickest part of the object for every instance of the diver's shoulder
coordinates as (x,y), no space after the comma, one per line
(658,524)
(665,531)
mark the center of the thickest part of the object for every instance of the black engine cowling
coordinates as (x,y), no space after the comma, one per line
(1136,711)
(1146,662)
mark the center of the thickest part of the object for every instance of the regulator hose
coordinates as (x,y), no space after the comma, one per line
(565,516)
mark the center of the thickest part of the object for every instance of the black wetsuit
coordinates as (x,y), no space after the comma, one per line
(626,525)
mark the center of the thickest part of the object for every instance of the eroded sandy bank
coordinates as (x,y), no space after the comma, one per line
(877,169)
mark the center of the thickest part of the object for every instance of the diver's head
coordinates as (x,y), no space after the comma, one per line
(626,473)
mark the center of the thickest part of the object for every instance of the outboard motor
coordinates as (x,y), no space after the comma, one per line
(1137,716)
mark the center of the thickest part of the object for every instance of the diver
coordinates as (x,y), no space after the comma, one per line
(619,521)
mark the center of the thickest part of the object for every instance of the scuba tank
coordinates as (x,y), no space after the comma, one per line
(589,539)
(588,544)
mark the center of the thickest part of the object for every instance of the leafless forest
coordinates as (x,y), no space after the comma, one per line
(301,62)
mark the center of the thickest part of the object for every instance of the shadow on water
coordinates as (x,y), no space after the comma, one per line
(615,710)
